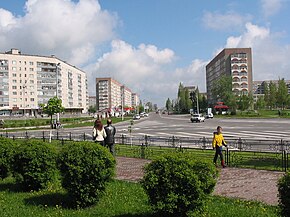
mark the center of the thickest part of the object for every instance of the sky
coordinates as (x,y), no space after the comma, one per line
(150,45)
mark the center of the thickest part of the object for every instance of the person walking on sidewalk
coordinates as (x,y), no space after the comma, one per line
(217,143)
(110,139)
(99,133)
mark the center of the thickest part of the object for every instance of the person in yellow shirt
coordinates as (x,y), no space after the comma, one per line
(217,143)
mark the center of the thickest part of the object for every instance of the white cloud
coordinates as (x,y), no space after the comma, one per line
(228,21)
(271,7)
(72,31)
(270,58)
(144,69)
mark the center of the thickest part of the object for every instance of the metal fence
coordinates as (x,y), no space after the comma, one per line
(246,152)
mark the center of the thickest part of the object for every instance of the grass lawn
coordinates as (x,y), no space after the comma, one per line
(122,199)
(253,160)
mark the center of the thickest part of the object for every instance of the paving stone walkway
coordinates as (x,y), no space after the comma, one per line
(249,184)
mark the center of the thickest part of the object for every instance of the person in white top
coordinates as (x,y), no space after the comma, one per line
(99,133)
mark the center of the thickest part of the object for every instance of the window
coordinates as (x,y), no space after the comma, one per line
(14,93)
(31,69)
(31,63)
(14,75)
(13,68)
(14,62)
(31,81)
(31,76)
(14,87)
(14,100)
(31,99)
(14,81)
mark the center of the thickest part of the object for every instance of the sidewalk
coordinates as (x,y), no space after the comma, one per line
(249,184)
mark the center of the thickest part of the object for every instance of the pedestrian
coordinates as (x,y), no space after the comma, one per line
(217,143)
(110,139)
(99,133)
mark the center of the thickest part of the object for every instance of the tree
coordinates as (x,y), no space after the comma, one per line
(188,102)
(222,91)
(260,104)
(272,95)
(244,102)
(181,98)
(92,109)
(54,106)
(168,105)
(282,94)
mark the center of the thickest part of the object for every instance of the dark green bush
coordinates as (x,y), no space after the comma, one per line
(177,185)
(284,194)
(6,154)
(86,168)
(34,165)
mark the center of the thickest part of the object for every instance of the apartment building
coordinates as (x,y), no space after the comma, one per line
(234,62)
(258,87)
(92,101)
(26,81)
(111,94)
(135,100)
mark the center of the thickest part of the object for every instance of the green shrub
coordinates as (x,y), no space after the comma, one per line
(177,185)
(284,194)
(34,165)
(6,154)
(86,168)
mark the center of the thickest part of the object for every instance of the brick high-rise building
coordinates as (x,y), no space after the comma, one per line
(234,62)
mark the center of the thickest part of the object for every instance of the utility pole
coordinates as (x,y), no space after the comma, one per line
(57,68)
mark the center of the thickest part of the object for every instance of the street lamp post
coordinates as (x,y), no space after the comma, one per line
(122,105)
(57,67)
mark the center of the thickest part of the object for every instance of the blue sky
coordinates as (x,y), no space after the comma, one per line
(150,45)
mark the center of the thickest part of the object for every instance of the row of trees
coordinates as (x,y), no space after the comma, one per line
(185,101)
(275,95)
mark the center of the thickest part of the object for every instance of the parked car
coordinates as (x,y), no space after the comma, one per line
(210,115)
(136,117)
(197,118)
(146,114)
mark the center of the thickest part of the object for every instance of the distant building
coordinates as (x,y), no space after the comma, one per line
(234,62)
(26,81)
(111,95)
(135,100)
(258,87)
(92,101)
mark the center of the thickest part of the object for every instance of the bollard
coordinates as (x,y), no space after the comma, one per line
(7,134)
(70,136)
(146,140)
(203,143)
(84,136)
(26,134)
(173,141)
(57,135)
(122,136)
(43,137)
(240,142)
(142,151)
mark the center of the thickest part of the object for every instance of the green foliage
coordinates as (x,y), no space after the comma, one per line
(6,154)
(86,168)
(168,104)
(176,184)
(282,94)
(92,109)
(284,194)
(34,165)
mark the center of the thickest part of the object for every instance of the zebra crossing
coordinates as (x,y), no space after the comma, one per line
(208,134)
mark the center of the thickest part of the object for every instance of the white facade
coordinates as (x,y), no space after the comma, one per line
(26,81)
(111,95)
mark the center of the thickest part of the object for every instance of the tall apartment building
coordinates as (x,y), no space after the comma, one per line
(135,100)
(234,62)
(111,94)
(29,80)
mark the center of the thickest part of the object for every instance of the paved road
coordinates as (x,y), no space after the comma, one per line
(169,125)
(179,125)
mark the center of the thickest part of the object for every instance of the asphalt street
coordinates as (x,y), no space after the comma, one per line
(163,125)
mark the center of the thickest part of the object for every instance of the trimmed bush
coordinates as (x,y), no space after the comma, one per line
(86,168)
(284,194)
(34,165)
(178,185)
(6,154)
